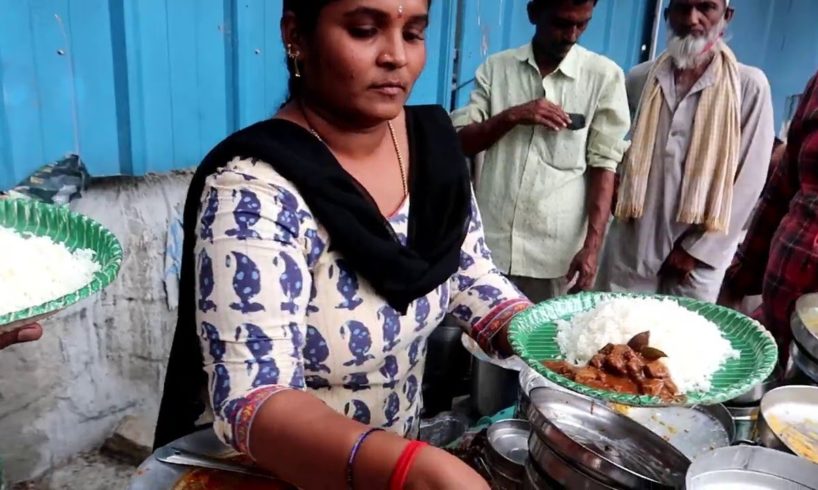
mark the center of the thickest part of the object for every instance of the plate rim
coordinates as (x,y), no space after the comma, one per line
(102,278)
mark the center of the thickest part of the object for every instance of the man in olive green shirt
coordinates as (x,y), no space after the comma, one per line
(546,185)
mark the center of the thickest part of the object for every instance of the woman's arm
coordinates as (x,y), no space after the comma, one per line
(307,443)
(254,287)
(483,300)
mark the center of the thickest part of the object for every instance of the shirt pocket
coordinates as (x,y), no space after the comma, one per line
(564,150)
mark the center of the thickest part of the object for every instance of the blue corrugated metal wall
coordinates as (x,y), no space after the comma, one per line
(138,86)
(778,36)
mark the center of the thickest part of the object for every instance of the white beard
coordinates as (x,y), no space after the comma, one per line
(690,51)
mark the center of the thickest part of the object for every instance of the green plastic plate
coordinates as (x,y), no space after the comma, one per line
(533,337)
(75,232)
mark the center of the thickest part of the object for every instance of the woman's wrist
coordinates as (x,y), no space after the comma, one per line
(376,459)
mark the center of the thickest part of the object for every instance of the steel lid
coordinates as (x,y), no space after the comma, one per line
(751,468)
(606,444)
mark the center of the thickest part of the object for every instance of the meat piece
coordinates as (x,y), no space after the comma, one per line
(606,350)
(598,361)
(635,366)
(670,387)
(652,387)
(656,370)
(562,368)
(587,375)
(616,361)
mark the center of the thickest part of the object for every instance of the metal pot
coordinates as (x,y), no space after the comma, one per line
(758,391)
(492,388)
(447,368)
(751,467)
(802,367)
(784,420)
(603,443)
(529,380)
(557,469)
(507,453)
(744,419)
(535,480)
(804,324)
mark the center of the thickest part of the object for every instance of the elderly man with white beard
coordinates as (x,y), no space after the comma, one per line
(701,142)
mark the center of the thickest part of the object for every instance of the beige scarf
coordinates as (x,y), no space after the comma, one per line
(713,155)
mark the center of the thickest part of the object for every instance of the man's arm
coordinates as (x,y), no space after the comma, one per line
(746,275)
(606,147)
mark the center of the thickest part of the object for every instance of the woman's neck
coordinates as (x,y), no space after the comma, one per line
(343,135)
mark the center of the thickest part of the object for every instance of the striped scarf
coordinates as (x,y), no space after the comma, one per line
(712,158)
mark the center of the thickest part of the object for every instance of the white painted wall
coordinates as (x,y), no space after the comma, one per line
(104,358)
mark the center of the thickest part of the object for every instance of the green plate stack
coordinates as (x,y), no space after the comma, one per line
(534,338)
(75,232)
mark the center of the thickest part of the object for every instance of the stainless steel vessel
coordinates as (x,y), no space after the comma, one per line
(605,444)
(787,421)
(507,453)
(744,467)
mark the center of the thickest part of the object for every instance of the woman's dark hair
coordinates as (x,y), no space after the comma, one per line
(306,14)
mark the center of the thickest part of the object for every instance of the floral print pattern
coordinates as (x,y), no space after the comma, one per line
(278,309)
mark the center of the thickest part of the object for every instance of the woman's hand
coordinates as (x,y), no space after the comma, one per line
(27,333)
(435,469)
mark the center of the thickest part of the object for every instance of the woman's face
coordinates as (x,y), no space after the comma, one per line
(364,57)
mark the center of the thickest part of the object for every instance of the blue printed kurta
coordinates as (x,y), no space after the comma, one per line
(279,309)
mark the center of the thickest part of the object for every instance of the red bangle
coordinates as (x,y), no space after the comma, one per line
(401,471)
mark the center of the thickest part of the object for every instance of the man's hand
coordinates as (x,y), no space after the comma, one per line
(27,333)
(615,198)
(583,268)
(679,265)
(728,299)
(539,112)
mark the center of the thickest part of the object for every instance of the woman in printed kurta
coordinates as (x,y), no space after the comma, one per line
(279,309)
(321,249)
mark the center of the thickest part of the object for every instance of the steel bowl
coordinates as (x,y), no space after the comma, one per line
(757,392)
(743,467)
(609,446)
(787,421)
(804,324)
(793,373)
(805,363)
(507,450)
(548,465)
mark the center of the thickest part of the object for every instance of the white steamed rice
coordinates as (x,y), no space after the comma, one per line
(36,270)
(694,345)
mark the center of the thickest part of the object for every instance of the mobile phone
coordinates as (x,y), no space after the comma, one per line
(577,121)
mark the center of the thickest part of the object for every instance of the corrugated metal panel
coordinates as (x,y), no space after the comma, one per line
(138,86)
(488,26)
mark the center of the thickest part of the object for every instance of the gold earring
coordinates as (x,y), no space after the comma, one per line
(293,55)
